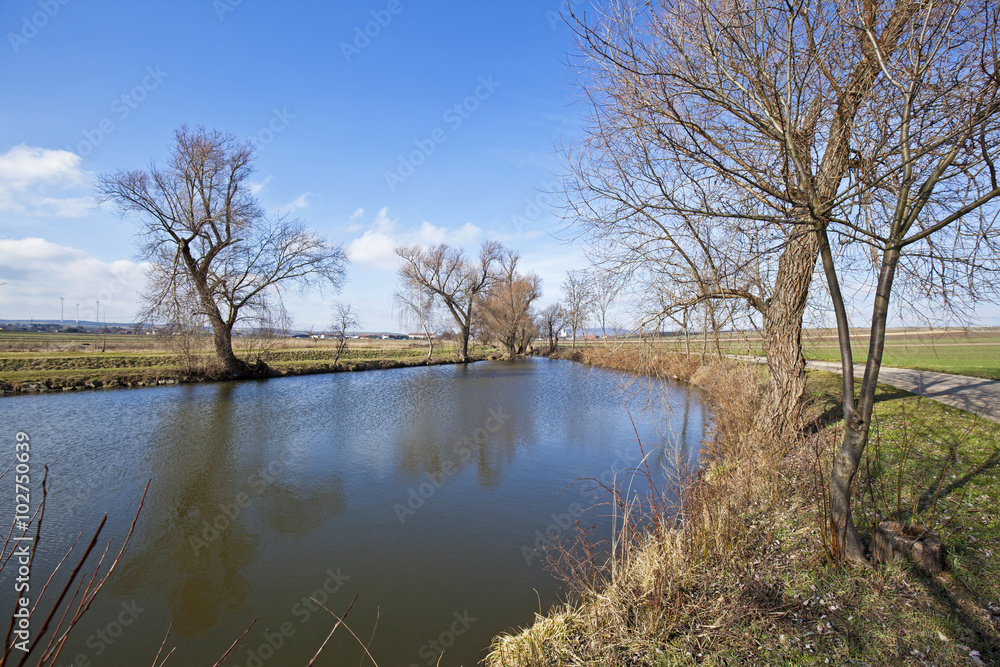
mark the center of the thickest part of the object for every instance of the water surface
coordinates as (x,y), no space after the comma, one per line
(423,491)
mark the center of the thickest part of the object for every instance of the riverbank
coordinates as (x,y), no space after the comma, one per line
(47,364)
(744,576)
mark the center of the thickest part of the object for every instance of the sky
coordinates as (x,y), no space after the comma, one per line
(376,123)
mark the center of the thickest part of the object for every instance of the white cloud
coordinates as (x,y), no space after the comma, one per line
(257,186)
(38,272)
(355,224)
(23,164)
(468,232)
(39,206)
(31,178)
(295,205)
(432,235)
(376,245)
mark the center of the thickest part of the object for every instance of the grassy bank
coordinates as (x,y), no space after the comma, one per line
(41,362)
(743,576)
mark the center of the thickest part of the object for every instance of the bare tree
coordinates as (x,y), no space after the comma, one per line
(207,234)
(578,300)
(919,208)
(717,133)
(445,273)
(344,318)
(605,288)
(417,306)
(505,306)
(550,319)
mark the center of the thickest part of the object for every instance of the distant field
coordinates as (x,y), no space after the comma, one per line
(39,357)
(75,359)
(959,351)
(13,342)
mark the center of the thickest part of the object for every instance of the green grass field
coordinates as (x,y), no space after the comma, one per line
(933,465)
(47,360)
(978,357)
(959,351)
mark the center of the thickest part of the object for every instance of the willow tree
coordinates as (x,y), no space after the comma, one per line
(718,134)
(210,242)
(920,204)
(445,274)
(505,306)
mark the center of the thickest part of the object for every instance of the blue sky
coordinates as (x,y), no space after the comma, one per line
(341,99)
(377,122)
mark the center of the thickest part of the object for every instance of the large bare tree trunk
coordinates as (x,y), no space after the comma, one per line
(677,103)
(222,335)
(780,413)
(231,365)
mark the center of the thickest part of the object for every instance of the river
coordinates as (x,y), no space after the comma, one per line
(424,491)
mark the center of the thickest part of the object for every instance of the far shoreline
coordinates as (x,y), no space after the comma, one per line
(126,380)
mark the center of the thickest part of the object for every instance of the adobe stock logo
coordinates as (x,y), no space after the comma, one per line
(103,637)
(432,650)
(465,449)
(121,107)
(559,13)
(536,208)
(454,116)
(30,26)
(279,122)
(223,7)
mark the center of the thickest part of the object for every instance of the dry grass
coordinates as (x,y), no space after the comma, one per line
(735,572)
